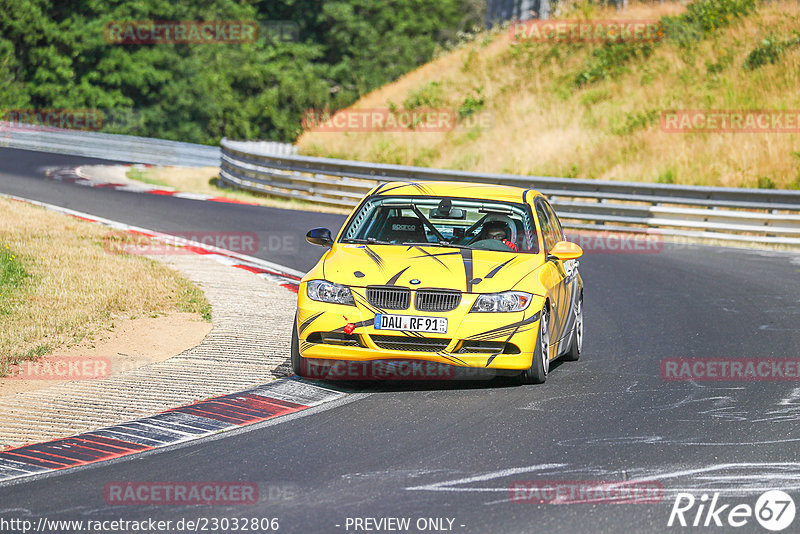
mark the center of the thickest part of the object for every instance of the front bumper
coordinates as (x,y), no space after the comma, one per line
(477,340)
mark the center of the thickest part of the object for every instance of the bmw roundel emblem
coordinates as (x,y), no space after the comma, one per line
(415,282)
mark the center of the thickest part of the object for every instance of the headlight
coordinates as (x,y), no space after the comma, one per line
(323,291)
(510,301)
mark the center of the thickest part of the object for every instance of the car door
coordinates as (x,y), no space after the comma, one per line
(570,282)
(554,273)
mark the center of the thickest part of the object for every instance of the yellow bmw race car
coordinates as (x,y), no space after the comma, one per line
(441,275)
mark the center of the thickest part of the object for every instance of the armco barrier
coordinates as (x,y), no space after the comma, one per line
(725,213)
(733,214)
(125,148)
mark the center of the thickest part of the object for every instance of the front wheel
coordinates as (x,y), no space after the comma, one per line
(540,364)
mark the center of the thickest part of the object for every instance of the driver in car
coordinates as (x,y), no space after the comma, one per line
(499,230)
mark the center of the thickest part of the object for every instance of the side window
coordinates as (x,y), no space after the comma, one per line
(531,243)
(554,222)
(547,230)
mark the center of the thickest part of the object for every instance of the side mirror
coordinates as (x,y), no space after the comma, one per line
(564,250)
(321,237)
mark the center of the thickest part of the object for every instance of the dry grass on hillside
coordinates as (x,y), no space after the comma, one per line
(543,123)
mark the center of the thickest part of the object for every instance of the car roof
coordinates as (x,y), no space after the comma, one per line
(505,193)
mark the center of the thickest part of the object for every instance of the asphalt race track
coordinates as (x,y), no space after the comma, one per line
(453,450)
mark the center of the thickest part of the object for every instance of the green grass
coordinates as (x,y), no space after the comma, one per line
(13,281)
(13,278)
(141,176)
(200,181)
(192,300)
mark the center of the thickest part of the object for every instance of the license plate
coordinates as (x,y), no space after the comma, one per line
(411,323)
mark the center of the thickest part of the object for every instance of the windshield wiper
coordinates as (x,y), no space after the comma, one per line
(439,244)
(368,241)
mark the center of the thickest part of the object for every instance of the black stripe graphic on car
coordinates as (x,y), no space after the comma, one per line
(394,279)
(424,189)
(499,352)
(364,302)
(494,335)
(497,269)
(384,191)
(494,332)
(374,256)
(466,257)
(305,324)
(451,357)
(426,254)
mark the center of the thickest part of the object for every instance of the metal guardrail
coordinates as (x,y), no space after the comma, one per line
(725,213)
(125,148)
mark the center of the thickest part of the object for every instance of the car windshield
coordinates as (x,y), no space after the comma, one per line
(443,221)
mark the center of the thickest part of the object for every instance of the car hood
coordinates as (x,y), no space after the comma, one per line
(473,271)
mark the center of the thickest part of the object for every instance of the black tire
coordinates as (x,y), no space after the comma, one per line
(575,348)
(296,358)
(540,364)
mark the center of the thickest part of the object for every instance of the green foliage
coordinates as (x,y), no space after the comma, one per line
(635,120)
(12,273)
(54,54)
(609,61)
(765,182)
(424,157)
(12,277)
(594,96)
(430,95)
(137,174)
(702,17)
(472,104)
(769,50)
(724,61)
(666,177)
(710,15)
(572,171)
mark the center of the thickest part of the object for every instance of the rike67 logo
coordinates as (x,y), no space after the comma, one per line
(774,510)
